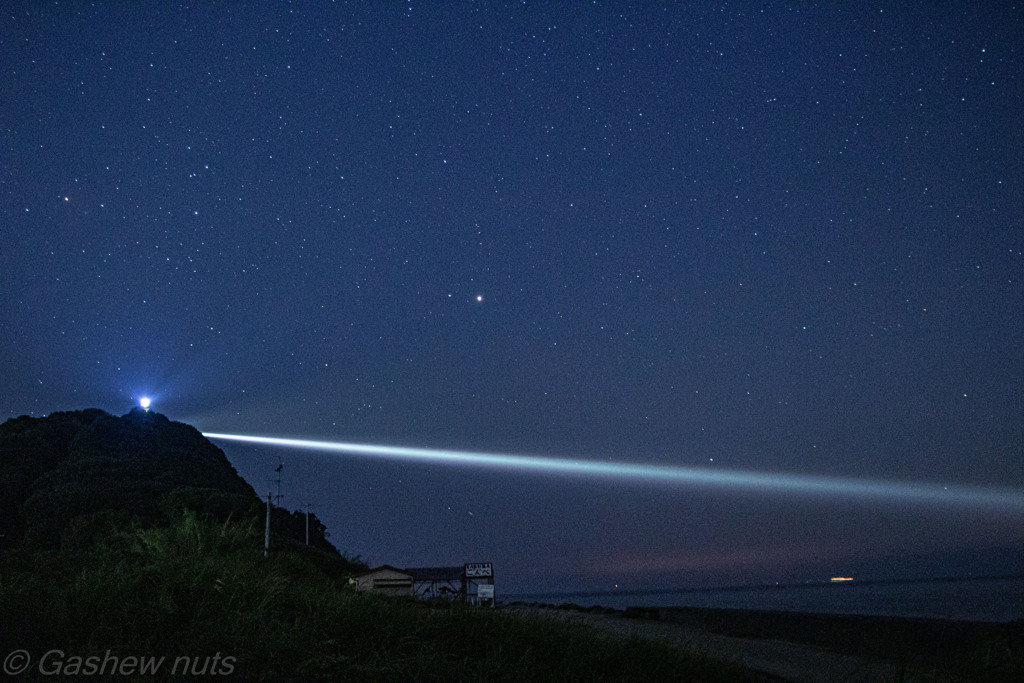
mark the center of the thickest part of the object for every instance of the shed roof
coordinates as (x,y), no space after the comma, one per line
(386,567)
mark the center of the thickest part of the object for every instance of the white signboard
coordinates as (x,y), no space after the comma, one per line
(478,569)
(485,591)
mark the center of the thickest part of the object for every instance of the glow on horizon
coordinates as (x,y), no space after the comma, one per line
(919,492)
(145,402)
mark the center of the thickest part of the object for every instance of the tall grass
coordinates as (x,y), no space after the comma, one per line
(198,588)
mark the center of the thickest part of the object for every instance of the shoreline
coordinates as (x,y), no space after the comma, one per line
(769,586)
(807,641)
(992,599)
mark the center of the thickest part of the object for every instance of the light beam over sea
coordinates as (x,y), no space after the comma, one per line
(918,492)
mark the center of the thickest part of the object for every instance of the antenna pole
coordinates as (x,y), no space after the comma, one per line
(307,523)
(280,466)
(266,532)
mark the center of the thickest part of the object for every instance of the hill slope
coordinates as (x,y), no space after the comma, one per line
(69,473)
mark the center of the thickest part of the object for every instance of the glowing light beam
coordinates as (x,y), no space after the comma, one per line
(919,492)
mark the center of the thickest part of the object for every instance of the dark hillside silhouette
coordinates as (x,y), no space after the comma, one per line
(71,474)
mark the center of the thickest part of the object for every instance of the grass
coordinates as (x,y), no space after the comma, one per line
(202,589)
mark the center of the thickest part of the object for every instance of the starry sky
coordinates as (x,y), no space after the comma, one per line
(783,239)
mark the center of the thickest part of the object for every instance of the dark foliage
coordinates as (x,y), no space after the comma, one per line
(70,474)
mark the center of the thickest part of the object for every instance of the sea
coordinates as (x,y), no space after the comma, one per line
(996,599)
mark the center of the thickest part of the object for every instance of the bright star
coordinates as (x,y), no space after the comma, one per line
(479,297)
(144,402)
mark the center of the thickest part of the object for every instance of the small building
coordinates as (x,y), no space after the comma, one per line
(479,583)
(438,582)
(386,579)
(473,583)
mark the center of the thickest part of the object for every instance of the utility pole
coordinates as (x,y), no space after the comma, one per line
(270,496)
(307,523)
(266,532)
(280,466)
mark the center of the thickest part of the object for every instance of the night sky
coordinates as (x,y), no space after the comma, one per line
(784,239)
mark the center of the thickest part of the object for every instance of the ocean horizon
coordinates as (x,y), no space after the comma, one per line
(994,599)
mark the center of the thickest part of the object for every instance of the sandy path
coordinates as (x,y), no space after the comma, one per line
(775,659)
